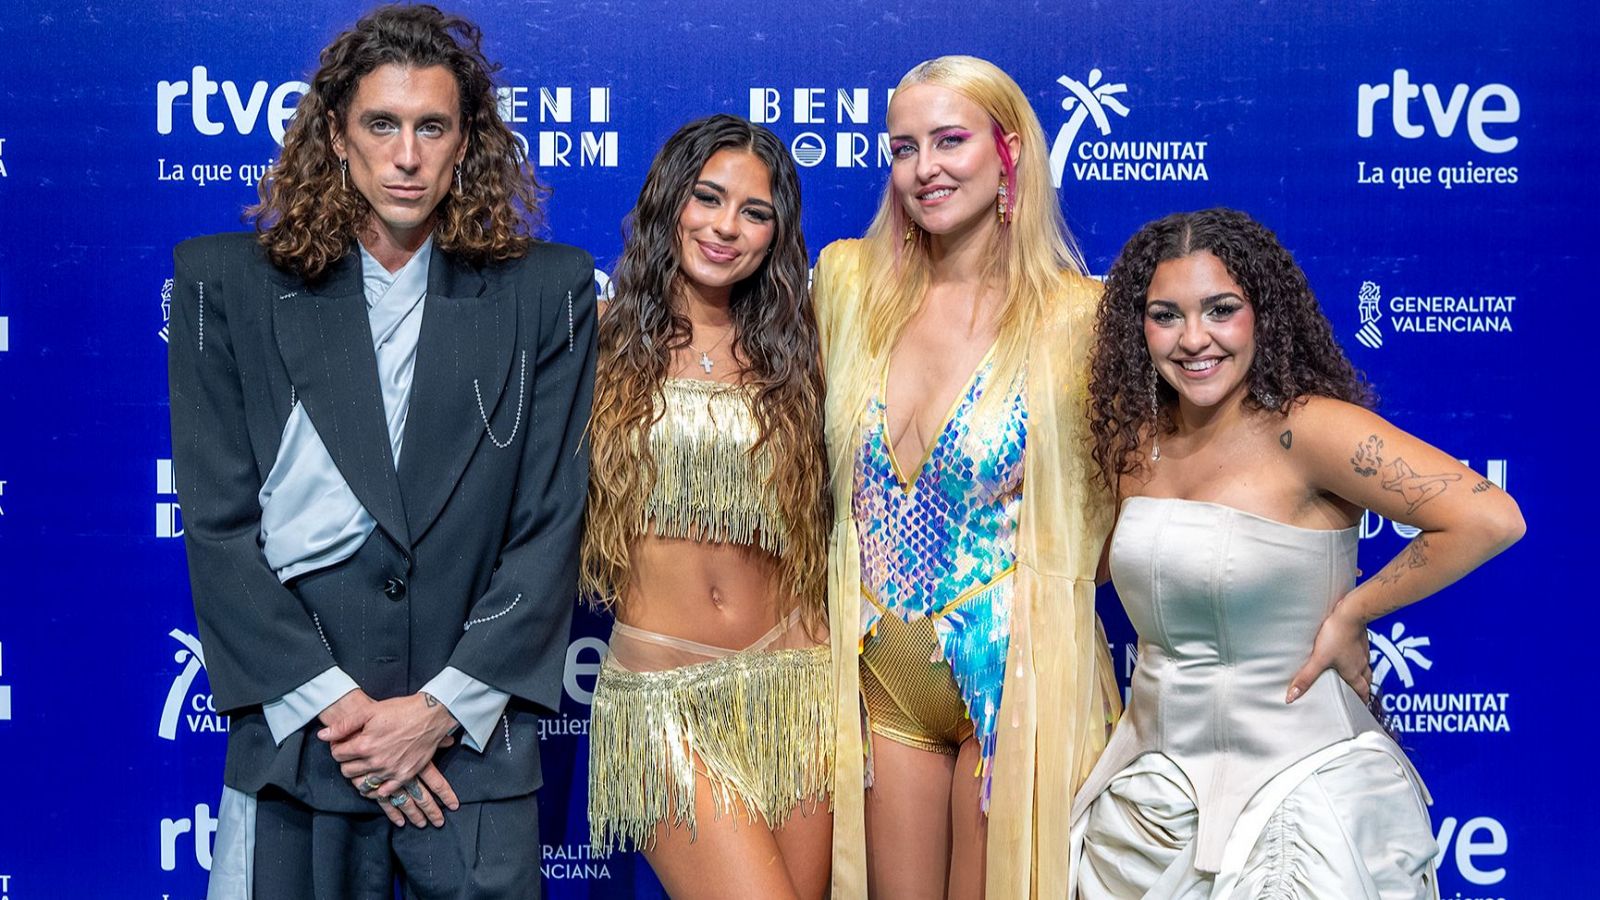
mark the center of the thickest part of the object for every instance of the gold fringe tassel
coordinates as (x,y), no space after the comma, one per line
(707,486)
(757,725)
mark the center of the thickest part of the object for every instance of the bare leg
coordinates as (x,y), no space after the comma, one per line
(908,822)
(732,858)
(806,843)
(969,827)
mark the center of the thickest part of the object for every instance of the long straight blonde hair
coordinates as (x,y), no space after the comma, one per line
(1033,252)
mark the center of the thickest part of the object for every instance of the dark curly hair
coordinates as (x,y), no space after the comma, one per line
(1296,356)
(775,333)
(306,221)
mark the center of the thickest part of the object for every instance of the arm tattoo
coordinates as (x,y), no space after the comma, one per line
(1484,485)
(428,699)
(1415,556)
(1398,476)
(1413,488)
(1286,439)
(1366,459)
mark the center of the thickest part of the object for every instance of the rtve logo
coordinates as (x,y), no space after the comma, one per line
(202,829)
(244,111)
(1492,104)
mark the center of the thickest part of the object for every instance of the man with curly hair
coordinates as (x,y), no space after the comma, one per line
(378,408)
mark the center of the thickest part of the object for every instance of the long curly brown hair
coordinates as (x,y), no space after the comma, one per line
(307,221)
(775,334)
(1296,356)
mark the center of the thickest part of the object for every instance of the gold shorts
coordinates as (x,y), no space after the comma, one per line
(757,724)
(909,691)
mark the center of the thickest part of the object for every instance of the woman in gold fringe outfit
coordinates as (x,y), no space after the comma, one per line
(962,589)
(711,734)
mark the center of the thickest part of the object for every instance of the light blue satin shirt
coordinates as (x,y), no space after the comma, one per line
(310,519)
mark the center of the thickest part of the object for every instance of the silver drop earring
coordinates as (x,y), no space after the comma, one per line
(458,178)
(344,168)
(1267,399)
(1155,416)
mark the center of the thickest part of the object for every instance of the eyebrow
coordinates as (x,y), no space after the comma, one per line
(936,130)
(426,118)
(1212,300)
(757,201)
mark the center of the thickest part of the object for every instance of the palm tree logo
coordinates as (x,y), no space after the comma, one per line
(193,659)
(1086,100)
(1397,653)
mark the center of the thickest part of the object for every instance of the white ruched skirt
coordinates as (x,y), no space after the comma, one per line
(1347,822)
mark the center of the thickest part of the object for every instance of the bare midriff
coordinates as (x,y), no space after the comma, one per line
(723,594)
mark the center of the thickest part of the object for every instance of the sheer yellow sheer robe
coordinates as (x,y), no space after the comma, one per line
(1059,698)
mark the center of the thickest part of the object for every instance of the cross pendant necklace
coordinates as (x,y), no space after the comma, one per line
(706,362)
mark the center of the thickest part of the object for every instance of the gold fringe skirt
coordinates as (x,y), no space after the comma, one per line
(757,724)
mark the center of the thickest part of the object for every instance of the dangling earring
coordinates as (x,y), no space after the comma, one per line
(1155,416)
(1001,206)
(458,178)
(911,231)
(344,167)
(1266,398)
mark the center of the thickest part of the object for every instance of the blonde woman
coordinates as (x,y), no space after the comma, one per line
(967,525)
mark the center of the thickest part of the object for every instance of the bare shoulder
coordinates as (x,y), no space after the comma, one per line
(1321,424)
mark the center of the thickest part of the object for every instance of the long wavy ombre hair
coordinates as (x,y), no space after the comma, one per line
(1032,252)
(307,219)
(775,334)
(1296,355)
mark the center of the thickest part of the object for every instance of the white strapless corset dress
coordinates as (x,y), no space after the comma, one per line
(1213,787)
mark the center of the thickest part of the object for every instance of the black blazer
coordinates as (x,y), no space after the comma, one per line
(473,562)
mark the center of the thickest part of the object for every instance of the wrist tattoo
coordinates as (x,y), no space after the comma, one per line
(429,699)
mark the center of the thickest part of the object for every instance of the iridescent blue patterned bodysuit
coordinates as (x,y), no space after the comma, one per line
(938,545)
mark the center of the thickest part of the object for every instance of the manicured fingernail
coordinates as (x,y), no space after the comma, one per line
(1294,694)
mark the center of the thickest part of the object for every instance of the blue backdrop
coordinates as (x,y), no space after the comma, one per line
(1428,163)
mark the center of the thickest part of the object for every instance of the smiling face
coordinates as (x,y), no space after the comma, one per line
(402,137)
(1200,330)
(946,171)
(727,224)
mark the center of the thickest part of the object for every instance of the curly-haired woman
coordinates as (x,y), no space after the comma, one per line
(968,525)
(711,741)
(1239,440)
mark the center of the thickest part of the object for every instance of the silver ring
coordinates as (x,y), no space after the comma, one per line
(398,799)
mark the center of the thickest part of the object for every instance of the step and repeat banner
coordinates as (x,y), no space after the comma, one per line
(1431,165)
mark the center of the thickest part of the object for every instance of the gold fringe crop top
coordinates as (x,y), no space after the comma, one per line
(708,486)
